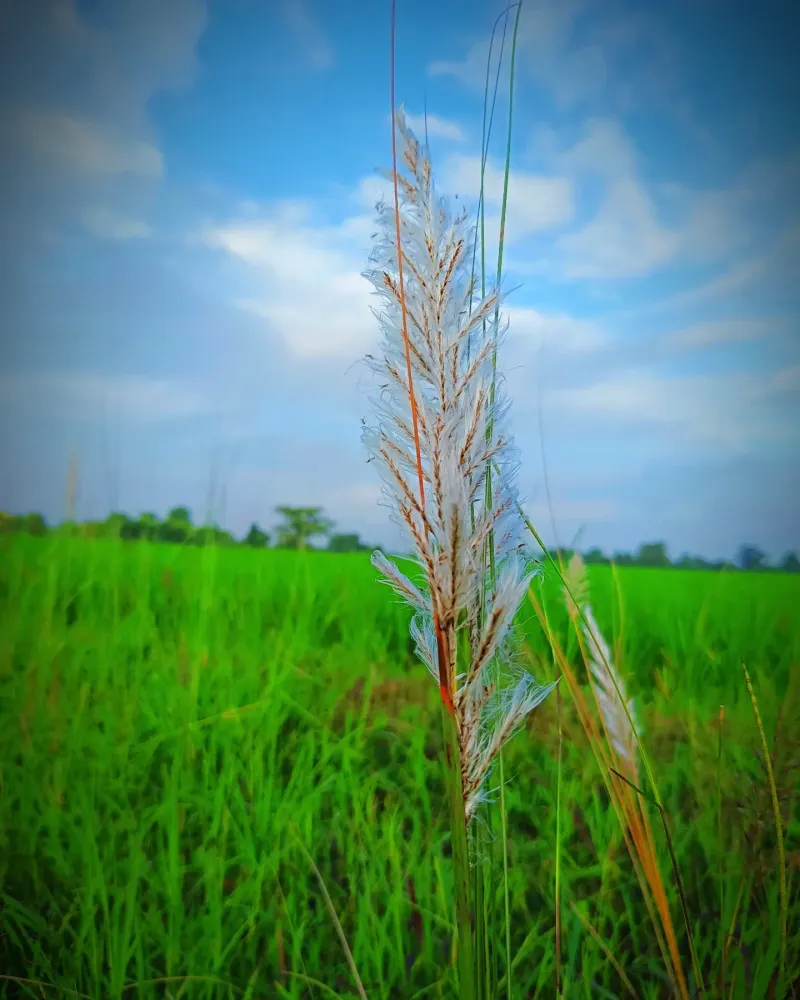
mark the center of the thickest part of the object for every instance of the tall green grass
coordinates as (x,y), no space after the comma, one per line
(180,730)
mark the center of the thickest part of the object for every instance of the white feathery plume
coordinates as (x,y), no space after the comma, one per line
(603,674)
(461,430)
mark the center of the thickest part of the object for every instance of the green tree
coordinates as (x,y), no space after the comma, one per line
(256,538)
(146,527)
(204,535)
(177,528)
(300,525)
(751,558)
(116,526)
(35,524)
(653,554)
(594,556)
(211,534)
(347,543)
(9,524)
(790,563)
(688,561)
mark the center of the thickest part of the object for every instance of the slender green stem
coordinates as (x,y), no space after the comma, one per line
(486,131)
(489,431)
(720,839)
(558,847)
(465,915)
(486,955)
(481,938)
(676,871)
(605,949)
(778,830)
(334,916)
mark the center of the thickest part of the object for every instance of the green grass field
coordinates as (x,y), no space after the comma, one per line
(180,726)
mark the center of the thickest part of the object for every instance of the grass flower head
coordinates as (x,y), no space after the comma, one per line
(442,422)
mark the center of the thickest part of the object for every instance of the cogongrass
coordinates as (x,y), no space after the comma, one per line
(441,431)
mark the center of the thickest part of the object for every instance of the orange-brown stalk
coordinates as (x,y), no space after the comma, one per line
(445,682)
(632,818)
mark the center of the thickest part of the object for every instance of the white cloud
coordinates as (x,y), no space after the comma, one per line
(470,71)
(310,287)
(735,278)
(141,47)
(83,146)
(627,237)
(729,411)
(582,53)
(75,119)
(317,48)
(441,127)
(108,224)
(604,149)
(573,74)
(538,202)
(370,190)
(753,270)
(623,240)
(723,331)
(559,332)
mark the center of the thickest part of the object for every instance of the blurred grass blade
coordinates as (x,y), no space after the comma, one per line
(778,829)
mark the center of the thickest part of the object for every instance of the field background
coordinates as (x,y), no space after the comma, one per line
(180,725)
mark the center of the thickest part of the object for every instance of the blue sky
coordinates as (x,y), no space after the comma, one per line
(188,194)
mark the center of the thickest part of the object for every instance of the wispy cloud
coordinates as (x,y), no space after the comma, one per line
(308,285)
(571,73)
(733,411)
(776,260)
(540,202)
(79,145)
(625,59)
(736,329)
(624,240)
(558,332)
(112,225)
(443,128)
(316,47)
(88,396)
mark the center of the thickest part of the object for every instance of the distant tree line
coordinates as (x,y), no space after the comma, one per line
(749,558)
(299,525)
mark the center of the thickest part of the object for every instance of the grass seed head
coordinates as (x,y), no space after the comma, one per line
(606,681)
(430,381)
